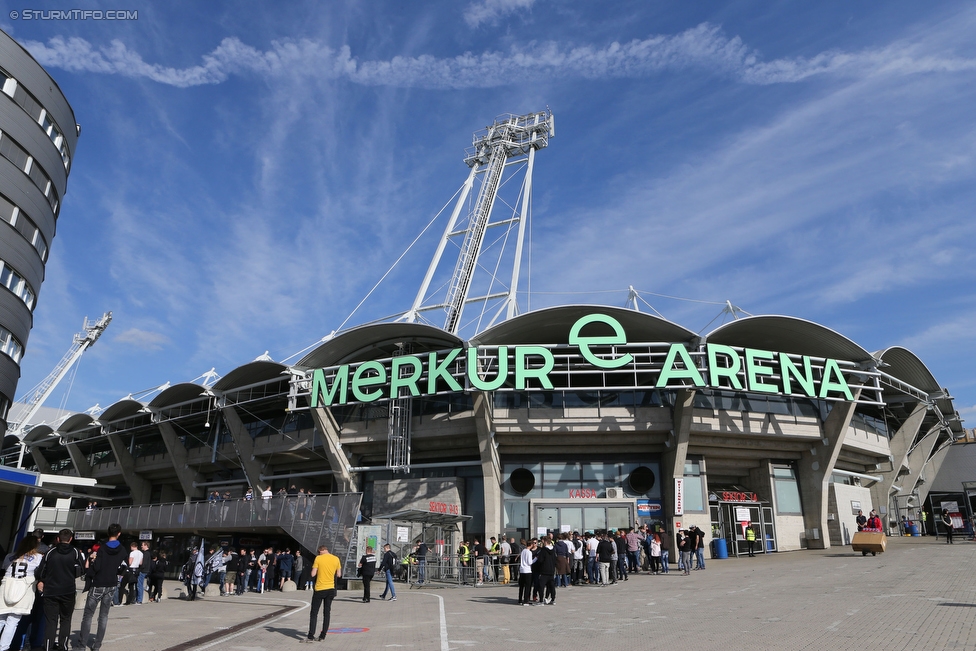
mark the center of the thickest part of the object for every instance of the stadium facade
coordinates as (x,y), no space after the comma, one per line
(574,417)
(38,134)
(569,418)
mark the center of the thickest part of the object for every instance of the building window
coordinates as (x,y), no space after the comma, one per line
(28,103)
(17,284)
(9,345)
(13,152)
(16,154)
(33,108)
(694,487)
(24,225)
(786,489)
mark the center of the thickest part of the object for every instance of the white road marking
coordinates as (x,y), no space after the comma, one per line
(444,644)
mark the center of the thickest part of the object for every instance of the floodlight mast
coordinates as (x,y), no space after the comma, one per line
(36,397)
(509,137)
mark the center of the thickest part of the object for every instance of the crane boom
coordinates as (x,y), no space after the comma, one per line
(36,397)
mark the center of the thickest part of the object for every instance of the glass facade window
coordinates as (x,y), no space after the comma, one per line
(24,225)
(33,108)
(13,152)
(16,283)
(28,103)
(786,489)
(9,345)
(16,154)
(694,487)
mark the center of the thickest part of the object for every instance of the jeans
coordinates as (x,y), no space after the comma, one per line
(686,561)
(389,586)
(220,581)
(102,599)
(664,560)
(622,566)
(323,599)
(421,570)
(140,587)
(592,570)
(633,557)
(700,557)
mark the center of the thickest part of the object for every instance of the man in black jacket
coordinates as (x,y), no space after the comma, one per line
(62,565)
(104,568)
(604,553)
(388,565)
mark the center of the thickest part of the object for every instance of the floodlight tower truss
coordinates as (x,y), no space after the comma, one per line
(401,412)
(511,140)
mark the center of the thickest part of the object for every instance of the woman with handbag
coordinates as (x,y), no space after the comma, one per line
(17,591)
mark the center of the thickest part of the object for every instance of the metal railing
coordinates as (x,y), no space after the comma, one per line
(449,569)
(312,520)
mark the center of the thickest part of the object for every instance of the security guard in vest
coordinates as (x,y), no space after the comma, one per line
(494,553)
(464,559)
(750,539)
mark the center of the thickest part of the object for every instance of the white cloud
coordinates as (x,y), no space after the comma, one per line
(143,339)
(952,334)
(703,47)
(490,11)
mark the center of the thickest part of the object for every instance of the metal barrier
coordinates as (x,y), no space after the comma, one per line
(449,569)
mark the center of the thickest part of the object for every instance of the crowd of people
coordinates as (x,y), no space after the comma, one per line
(299,503)
(39,590)
(38,593)
(247,570)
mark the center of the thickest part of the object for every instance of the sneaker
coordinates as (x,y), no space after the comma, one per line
(393,599)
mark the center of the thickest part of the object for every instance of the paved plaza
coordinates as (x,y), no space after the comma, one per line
(920,594)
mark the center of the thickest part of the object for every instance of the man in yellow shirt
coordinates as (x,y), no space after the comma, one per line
(325,570)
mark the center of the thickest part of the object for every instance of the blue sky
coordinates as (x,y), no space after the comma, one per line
(246,173)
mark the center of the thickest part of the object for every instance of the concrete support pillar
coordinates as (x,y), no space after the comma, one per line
(917,460)
(139,486)
(78,460)
(491,467)
(899,444)
(814,469)
(245,448)
(178,455)
(43,465)
(327,426)
(931,470)
(673,460)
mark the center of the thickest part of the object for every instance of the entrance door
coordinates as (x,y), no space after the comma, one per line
(730,519)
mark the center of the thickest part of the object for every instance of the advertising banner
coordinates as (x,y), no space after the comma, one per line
(679,496)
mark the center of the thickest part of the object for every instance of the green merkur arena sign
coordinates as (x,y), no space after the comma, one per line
(530,367)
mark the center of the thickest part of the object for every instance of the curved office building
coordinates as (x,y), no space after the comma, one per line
(574,417)
(38,133)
